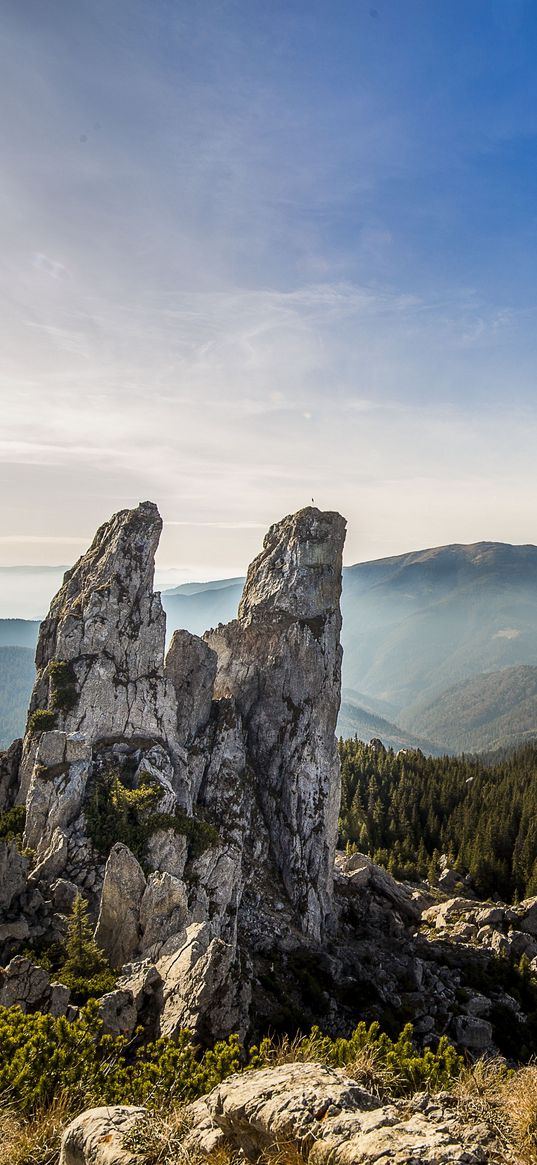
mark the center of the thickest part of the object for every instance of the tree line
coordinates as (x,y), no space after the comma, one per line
(405,810)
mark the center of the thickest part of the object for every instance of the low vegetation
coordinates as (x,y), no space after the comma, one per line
(51,1069)
(42,720)
(116,812)
(12,823)
(405,809)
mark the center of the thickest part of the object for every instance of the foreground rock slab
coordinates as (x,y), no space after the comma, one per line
(327,1115)
(319,1111)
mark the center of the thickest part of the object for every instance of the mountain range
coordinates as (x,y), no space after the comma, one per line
(440,645)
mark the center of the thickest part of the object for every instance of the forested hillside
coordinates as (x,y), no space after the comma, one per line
(406,809)
(490,710)
(17,674)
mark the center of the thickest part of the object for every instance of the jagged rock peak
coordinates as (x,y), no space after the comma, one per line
(298,572)
(100,653)
(121,559)
(280,661)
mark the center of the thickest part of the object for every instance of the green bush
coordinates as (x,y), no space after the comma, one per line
(63,689)
(43,1058)
(12,822)
(117,813)
(42,720)
(402,1069)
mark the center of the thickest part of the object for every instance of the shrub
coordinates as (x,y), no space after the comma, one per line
(43,1058)
(42,720)
(63,689)
(387,1067)
(116,813)
(12,823)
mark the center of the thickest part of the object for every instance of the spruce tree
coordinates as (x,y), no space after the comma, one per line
(84,957)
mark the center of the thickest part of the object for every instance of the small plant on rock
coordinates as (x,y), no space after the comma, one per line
(42,720)
(63,690)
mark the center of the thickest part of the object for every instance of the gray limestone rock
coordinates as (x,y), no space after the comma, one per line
(107,627)
(118,1013)
(53,861)
(53,802)
(96,1136)
(472,1032)
(528,916)
(27,985)
(281,663)
(13,874)
(63,895)
(191,668)
(323,1114)
(197,991)
(163,911)
(10,760)
(118,925)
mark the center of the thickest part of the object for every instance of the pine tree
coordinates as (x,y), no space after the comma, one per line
(85,960)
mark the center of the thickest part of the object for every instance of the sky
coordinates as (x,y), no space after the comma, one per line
(256,252)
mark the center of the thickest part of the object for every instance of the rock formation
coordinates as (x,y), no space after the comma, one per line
(193,800)
(280,661)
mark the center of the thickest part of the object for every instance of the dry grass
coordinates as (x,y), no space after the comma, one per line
(506,1102)
(520,1101)
(157,1138)
(162,1139)
(35,1141)
(371,1072)
(300,1050)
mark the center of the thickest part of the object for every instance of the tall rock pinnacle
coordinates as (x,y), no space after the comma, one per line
(281,662)
(100,651)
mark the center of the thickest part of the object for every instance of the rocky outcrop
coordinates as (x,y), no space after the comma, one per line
(325,1115)
(305,1111)
(280,661)
(217,765)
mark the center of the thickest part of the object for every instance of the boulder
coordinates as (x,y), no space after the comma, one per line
(118,1013)
(471,1032)
(324,1114)
(96,1136)
(118,925)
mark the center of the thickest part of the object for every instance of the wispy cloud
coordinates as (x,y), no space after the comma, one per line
(242,267)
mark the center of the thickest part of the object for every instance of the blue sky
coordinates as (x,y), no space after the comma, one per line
(255,252)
